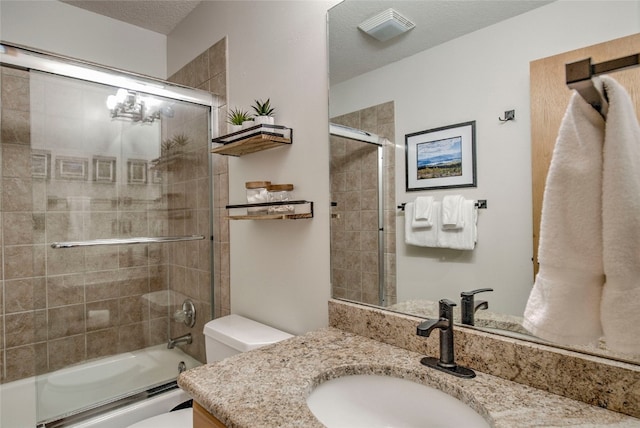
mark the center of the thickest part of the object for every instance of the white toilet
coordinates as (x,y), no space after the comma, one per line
(224,337)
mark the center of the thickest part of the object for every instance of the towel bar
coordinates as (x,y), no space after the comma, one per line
(481,204)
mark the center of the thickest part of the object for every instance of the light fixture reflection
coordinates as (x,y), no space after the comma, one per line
(129,105)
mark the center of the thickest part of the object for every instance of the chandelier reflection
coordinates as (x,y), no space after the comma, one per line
(130,105)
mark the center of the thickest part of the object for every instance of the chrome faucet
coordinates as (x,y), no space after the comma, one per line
(468,307)
(446,362)
(180,339)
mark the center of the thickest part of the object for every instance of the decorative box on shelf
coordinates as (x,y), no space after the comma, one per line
(254,139)
(298,214)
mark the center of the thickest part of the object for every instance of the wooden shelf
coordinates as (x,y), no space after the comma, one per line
(255,139)
(276,216)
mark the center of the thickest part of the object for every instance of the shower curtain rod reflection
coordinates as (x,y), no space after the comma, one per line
(126,241)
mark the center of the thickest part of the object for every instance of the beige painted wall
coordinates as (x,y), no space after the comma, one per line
(279,269)
(57,27)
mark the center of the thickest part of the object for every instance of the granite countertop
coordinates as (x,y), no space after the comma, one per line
(268,387)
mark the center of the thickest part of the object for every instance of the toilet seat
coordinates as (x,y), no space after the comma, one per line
(178,419)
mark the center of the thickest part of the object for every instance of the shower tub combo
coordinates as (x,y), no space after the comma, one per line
(111,392)
(106,229)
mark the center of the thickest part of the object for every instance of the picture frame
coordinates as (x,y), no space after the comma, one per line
(441,158)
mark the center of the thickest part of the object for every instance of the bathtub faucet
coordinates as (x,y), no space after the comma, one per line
(180,339)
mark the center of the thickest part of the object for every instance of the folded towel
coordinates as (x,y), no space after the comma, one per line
(620,308)
(564,303)
(465,237)
(452,216)
(424,236)
(423,212)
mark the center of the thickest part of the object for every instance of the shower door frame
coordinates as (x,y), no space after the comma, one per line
(27,59)
(373,139)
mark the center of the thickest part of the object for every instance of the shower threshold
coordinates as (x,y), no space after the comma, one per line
(74,393)
(102,408)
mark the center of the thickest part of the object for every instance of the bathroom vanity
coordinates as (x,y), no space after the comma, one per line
(269,387)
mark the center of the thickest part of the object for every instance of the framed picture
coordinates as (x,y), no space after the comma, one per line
(441,158)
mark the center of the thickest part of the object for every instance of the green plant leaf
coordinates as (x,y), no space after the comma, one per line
(263,108)
(237,116)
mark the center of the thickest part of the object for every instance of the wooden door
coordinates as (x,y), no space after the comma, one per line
(550,98)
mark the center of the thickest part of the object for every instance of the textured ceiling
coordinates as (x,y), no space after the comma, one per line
(160,16)
(352,52)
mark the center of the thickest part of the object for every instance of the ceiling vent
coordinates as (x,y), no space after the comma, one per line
(386,25)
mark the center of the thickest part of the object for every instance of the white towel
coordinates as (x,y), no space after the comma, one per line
(465,237)
(423,212)
(424,236)
(452,215)
(564,305)
(620,309)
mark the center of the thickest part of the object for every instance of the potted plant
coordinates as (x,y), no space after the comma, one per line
(264,112)
(237,117)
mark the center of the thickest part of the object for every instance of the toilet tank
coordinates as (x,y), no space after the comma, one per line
(234,334)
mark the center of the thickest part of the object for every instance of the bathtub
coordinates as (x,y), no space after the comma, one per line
(111,392)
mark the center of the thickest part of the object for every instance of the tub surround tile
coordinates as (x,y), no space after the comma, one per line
(597,381)
(268,387)
(66,321)
(66,351)
(102,343)
(20,362)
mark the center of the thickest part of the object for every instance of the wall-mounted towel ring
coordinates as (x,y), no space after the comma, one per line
(508,115)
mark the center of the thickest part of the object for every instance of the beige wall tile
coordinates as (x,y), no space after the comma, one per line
(20,362)
(65,321)
(132,337)
(102,343)
(15,127)
(65,290)
(15,92)
(66,351)
(16,160)
(16,194)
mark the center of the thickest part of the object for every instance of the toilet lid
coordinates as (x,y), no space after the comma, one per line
(178,419)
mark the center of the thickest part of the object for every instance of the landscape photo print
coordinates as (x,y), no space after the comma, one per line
(441,157)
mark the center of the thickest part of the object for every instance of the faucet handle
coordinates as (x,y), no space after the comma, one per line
(470,294)
(446,309)
(469,306)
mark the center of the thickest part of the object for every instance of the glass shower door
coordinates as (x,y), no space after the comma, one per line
(102,314)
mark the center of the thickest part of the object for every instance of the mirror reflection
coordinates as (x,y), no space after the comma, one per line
(470,61)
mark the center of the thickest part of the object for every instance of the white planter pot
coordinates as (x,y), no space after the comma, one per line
(266,120)
(248,124)
(234,128)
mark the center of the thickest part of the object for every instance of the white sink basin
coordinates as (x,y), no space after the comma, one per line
(373,401)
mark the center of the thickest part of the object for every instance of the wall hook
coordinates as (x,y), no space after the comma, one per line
(508,115)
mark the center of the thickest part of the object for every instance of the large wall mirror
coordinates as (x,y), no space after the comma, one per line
(464,61)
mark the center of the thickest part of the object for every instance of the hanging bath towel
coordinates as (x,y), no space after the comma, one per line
(564,304)
(620,310)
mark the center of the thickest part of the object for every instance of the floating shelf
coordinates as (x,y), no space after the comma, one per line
(254,139)
(276,216)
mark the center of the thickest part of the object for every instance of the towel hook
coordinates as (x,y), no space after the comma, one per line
(508,115)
